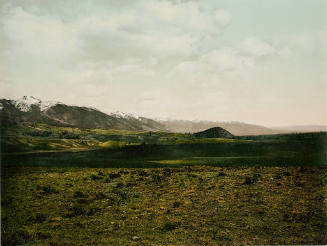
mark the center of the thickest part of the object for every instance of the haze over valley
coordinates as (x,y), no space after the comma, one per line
(31,109)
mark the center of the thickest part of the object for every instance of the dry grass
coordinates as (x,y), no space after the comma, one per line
(170,206)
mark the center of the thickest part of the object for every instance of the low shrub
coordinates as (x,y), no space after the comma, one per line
(80,194)
(92,210)
(114,175)
(100,196)
(157,179)
(46,190)
(170,226)
(95,177)
(76,210)
(16,238)
(221,174)
(39,218)
(176,204)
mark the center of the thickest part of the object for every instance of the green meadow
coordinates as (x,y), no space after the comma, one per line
(70,186)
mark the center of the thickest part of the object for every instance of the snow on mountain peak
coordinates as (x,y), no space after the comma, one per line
(123,115)
(26,102)
(47,104)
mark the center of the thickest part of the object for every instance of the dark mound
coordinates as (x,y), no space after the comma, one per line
(215,132)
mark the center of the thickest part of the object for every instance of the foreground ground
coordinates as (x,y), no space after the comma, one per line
(196,205)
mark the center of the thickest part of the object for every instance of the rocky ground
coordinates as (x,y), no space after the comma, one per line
(167,206)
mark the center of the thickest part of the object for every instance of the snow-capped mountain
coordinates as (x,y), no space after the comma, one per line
(31,109)
(124,115)
(26,103)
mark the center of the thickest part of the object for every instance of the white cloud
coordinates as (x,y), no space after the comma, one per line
(39,37)
(42,46)
(226,59)
(239,59)
(152,28)
(256,47)
(223,17)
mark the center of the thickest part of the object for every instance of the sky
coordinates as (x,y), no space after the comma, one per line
(255,61)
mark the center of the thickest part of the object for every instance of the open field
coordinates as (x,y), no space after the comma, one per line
(254,153)
(70,186)
(41,137)
(167,206)
(44,145)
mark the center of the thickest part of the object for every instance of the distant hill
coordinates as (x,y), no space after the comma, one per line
(31,109)
(215,132)
(304,128)
(236,128)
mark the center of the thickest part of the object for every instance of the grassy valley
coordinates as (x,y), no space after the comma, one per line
(73,186)
(45,145)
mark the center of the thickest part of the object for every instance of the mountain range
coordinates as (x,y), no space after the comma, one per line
(236,128)
(31,109)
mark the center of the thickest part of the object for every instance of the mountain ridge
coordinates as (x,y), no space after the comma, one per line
(32,109)
(234,127)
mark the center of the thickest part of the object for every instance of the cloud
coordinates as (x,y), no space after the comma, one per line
(257,47)
(152,28)
(43,37)
(226,59)
(45,42)
(238,59)
(223,17)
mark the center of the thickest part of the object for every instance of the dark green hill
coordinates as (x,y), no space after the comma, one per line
(215,132)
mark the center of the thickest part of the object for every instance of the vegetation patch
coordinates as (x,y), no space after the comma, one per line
(191,205)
